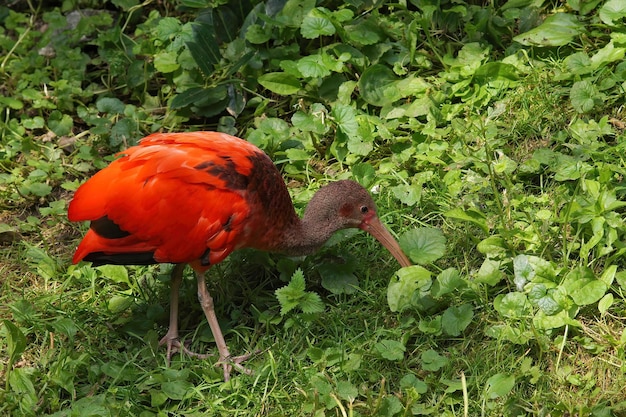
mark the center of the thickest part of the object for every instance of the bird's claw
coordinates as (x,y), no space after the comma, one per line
(228,363)
(235,362)
(174,346)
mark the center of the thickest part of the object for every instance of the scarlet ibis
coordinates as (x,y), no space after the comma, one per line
(193,198)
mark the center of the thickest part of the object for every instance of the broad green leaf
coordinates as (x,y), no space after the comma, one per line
(165,61)
(557,30)
(542,321)
(338,278)
(118,303)
(36,122)
(11,102)
(61,125)
(176,390)
(612,12)
(364,174)
(19,381)
(578,63)
(365,32)
(430,325)
(312,66)
(409,194)
(489,272)
(314,26)
(204,47)
(499,385)
(609,275)
(423,245)
(311,303)
(123,131)
(582,285)
(620,277)
(411,381)
(379,86)
(456,319)
(347,391)
(157,397)
(433,361)
(407,284)
(512,305)
(280,83)
(310,122)
(39,189)
(585,96)
(605,303)
(390,349)
(523,271)
(66,326)
(294,11)
(504,165)
(389,406)
(116,273)
(257,34)
(188,97)
(541,297)
(509,333)
(447,281)
(608,54)
(471,215)
(496,74)
(491,246)
(110,105)
(167,28)
(16,341)
(345,118)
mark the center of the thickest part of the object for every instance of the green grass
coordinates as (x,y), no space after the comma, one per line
(495,146)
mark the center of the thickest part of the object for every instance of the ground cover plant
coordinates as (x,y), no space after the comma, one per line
(491,135)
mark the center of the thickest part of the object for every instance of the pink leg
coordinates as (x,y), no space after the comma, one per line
(206,301)
(171,338)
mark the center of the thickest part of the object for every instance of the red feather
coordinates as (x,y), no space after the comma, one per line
(197,171)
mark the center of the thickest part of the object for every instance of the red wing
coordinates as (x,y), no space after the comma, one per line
(175,195)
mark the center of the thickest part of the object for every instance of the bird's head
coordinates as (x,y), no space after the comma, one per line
(346,204)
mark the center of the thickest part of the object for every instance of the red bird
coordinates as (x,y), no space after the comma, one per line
(193,198)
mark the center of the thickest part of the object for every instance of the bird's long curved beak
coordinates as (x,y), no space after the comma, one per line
(375,227)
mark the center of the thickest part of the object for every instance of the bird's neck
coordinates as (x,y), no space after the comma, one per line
(305,237)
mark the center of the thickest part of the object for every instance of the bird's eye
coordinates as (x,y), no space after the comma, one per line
(364,209)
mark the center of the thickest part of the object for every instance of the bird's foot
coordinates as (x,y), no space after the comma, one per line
(228,363)
(231,362)
(174,346)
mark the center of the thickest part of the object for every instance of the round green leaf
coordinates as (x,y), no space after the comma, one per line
(314,27)
(390,349)
(499,385)
(379,85)
(456,319)
(612,12)
(513,305)
(433,361)
(407,284)
(423,245)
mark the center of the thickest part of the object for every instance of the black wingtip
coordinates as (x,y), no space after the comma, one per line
(107,228)
(138,258)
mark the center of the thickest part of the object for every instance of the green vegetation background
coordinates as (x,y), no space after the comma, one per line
(492,137)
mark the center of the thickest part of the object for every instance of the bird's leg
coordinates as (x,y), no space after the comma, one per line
(206,301)
(171,338)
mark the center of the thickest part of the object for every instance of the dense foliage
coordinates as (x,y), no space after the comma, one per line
(492,135)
